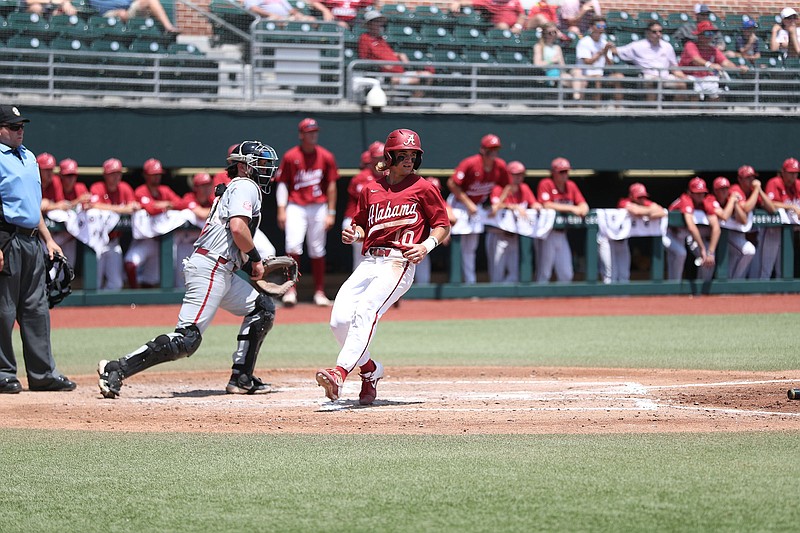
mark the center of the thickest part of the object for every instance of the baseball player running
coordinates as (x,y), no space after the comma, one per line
(225,245)
(306,198)
(400,219)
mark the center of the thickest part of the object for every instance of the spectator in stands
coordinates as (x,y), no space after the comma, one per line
(141,259)
(748,44)
(730,207)
(112,194)
(50,7)
(343,12)
(372,45)
(783,192)
(470,185)
(540,14)
(502,247)
(75,193)
(656,58)
(503,14)
(127,9)
(615,256)
(548,53)
(704,54)
(561,194)
(785,37)
(593,51)
(276,10)
(688,30)
(577,16)
(703,243)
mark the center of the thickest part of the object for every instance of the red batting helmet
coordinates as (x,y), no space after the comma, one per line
(697,185)
(68,167)
(516,167)
(46,161)
(376,149)
(153,166)
(112,165)
(490,141)
(746,171)
(365,159)
(791,165)
(721,182)
(201,178)
(308,124)
(402,140)
(559,164)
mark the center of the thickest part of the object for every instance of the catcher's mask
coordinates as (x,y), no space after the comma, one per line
(261,160)
(59,278)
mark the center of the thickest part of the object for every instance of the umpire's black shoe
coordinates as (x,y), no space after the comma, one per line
(10,386)
(54,384)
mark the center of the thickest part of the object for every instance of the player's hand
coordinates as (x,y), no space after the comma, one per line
(414,253)
(52,248)
(756,184)
(281,218)
(2,260)
(349,234)
(329,221)
(709,260)
(257,270)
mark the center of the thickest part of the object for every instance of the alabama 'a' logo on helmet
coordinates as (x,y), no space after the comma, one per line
(411,140)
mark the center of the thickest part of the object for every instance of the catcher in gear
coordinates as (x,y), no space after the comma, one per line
(225,245)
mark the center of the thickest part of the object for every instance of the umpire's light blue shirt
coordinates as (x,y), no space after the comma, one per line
(20,187)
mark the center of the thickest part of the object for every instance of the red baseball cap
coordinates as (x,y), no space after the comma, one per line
(721,182)
(490,141)
(705,25)
(231,148)
(434,181)
(560,163)
(376,150)
(516,167)
(791,165)
(637,190)
(153,166)
(308,124)
(746,171)
(366,159)
(68,167)
(697,185)
(46,161)
(112,165)
(201,178)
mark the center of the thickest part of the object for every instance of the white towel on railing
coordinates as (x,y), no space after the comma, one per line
(536,224)
(91,227)
(619,224)
(145,226)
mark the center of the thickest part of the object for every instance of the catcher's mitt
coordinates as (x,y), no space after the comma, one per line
(280,275)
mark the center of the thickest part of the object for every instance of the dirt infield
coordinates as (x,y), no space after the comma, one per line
(447,400)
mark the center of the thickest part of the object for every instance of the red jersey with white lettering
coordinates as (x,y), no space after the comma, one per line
(122,196)
(548,192)
(686,205)
(477,182)
(54,192)
(402,212)
(523,196)
(307,175)
(354,190)
(777,190)
(77,191)
(146,197)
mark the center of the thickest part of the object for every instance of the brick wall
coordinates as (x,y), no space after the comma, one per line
(192,23)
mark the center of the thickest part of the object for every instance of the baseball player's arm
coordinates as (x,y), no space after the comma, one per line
(713,221)
(244,241)
(417,252)
(331,216)
(739,213)
(765,199)
(51,245)
(282,199)
(688,218)
(461,196)
(726,212)
(352,233)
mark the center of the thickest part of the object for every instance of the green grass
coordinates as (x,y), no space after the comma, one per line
(66,481)
(734,342)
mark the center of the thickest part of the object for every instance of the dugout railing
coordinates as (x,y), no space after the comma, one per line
(452,287)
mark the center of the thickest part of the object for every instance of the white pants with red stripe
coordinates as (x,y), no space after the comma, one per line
(375,285)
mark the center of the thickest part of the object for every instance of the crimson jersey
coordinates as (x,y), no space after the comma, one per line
(77,191)
(476,182)
(370,47)
(523,196)
(623,202)
(54,192)
(402,212)
(145,197)
(122,196)
(548,192)
(685,205)
(307,175)
(354,190)
(778,191)
(190,200)
(507,11)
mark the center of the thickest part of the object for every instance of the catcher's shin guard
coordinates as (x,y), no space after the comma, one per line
(255,327)
(170,347)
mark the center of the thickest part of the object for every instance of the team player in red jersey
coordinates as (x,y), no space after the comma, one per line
(400,219)
(141,260)
(371,157)
(52,192)
(750,194)
(112,194)
(470,185)
(199,201)
(75,193)
(784,193)
(306,198)
(703,243)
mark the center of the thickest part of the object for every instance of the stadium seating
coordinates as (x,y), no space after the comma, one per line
(30,25)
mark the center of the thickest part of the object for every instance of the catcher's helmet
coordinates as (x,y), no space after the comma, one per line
(59,278)
(402,140)
(46,161)
(261,160)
